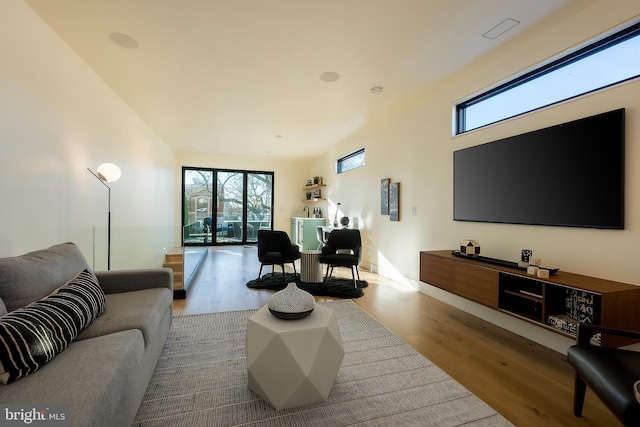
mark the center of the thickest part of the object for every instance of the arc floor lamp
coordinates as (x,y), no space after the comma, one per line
(107,172)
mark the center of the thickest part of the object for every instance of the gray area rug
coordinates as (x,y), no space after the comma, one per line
(201,380)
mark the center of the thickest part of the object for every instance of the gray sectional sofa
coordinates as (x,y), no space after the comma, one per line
(104,369)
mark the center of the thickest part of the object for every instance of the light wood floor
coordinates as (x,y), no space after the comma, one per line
(528,384)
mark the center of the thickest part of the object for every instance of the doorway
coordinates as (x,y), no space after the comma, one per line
(241,204)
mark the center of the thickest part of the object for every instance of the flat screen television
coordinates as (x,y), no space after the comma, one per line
(570,175)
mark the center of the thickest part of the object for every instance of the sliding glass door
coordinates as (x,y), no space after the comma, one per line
(241,205)
(197,205)
(230,213)
(259,203)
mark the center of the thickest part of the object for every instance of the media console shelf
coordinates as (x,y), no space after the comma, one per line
(557,303)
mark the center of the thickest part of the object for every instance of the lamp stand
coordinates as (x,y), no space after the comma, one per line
(109,233)
(102,180)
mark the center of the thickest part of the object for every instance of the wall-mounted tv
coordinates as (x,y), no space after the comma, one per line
(570,175)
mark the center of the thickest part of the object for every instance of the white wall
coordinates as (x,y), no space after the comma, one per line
(416,149)
(289,178)
(58,118)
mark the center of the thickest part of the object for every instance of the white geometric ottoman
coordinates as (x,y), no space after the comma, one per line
(293,362)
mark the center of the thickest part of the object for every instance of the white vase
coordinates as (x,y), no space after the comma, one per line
(291,303)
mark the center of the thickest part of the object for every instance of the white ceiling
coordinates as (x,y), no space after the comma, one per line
(243,76)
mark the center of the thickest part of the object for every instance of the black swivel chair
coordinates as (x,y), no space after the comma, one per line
(275,248)
(609,372)
(343,249)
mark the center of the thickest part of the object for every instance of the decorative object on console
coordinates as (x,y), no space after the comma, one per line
(335,218)
(384,196)
(344,221)
(582,306)
(542,273)
(534,266)
(107,172)
(564,323)
(291,303)
(525,256)
(470,248)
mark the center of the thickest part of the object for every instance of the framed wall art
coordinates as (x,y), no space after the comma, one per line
(384,196)
(394,201)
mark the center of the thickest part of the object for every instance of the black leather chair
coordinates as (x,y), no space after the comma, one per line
(343,249)
(275,248)
(609,372)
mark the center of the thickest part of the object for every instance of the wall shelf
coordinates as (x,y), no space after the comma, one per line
(313,187)
(310,188)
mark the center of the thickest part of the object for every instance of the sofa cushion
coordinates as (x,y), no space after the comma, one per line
(29,277)
(33,335)
(142,310)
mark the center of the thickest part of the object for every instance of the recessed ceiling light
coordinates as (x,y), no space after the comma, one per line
(123,40)
(330,76)
(377,90)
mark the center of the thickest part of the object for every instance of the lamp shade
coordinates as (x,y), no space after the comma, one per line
(109,172)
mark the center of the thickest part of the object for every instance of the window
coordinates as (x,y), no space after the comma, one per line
(351,161)
(603,63)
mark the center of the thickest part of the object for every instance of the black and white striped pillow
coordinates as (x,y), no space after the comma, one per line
(33,335)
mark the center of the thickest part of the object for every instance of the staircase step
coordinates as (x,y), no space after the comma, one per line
(175,266)
(174,260)
(173,257)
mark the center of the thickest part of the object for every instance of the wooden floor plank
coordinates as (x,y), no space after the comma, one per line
(527,383)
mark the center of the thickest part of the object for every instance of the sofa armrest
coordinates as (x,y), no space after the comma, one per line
(133,280)
(586,331)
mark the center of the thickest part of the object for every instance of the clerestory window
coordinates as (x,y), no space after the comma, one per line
(600,64)
(350,161)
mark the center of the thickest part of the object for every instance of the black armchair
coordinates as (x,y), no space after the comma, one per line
(343,249)
(275,248)
(609,372)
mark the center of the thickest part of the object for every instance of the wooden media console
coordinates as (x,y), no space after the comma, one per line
(557,303)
